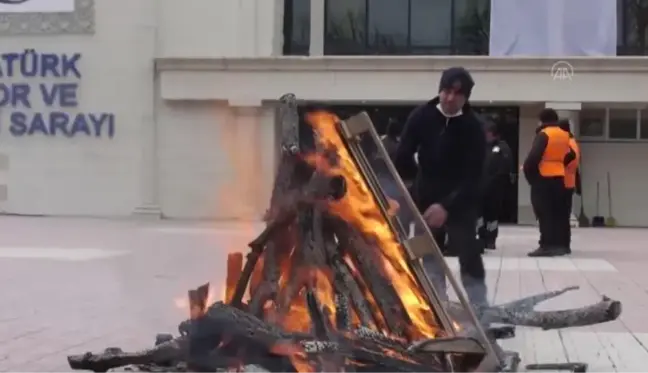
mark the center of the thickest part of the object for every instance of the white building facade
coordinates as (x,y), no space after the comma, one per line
(167,108)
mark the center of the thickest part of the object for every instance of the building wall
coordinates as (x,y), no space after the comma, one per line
(216,157)
(52,174)
(626,163)
(122,173)
(216,161)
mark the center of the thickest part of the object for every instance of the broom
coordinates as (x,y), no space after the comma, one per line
(610,221)
(598,220)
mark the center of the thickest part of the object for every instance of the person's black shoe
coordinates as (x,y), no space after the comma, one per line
(450,253)
(491,246)
(564,251)
(546,252)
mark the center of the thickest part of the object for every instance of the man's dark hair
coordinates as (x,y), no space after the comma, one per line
(564,124)
(490,126)
(548,116)
(454,75)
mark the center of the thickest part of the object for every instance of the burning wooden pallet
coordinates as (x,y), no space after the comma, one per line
(334,283)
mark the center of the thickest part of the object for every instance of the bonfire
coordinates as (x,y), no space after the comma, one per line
(335,281)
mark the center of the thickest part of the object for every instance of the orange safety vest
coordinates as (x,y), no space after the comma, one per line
(553,158)
(572,167)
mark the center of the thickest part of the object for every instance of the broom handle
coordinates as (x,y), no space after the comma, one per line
(609,180)
(598,197)
(582,192)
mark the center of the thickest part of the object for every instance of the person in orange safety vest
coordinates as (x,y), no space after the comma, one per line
(544,169)
(572,181)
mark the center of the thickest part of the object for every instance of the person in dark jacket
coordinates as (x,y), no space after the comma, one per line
(450,142)
(391,137)
(544,169)
(495,184)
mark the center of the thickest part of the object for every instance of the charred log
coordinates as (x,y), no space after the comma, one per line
(167,354)
(521,312)
(365,258)
(225,334)
(603,311)
(348,284)
(319,188)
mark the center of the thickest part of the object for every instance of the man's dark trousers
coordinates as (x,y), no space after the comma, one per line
(548,200)
(491,209)
(566,230)
(462,241)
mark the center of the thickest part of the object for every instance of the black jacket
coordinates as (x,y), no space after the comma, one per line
(498,167)
(533,159)
(450,157)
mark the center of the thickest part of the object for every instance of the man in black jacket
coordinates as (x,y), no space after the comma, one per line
(450,142)
(391,137)
(497,179)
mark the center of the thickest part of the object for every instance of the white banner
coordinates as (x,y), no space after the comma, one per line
(36,6)
(558,28)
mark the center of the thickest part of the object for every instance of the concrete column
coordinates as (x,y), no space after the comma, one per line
(4,180)
(149,196)
(528,124)
(149,193)
(248,166)
(149,183)
(318,8)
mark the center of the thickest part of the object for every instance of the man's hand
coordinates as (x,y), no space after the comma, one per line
(393,207)
(435,216)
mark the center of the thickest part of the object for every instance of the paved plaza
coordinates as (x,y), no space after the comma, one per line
(68,286)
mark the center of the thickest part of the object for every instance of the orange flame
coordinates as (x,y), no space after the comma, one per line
(359,208)
(297,318)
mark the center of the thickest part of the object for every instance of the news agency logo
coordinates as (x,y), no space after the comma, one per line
(562,70)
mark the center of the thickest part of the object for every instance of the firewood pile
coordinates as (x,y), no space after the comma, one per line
(330,286)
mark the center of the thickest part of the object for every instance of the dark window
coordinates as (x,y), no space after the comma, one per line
(387,26)
(431,23)
(345,27)
(296,27)
(643,125)
(592,123)
(623,124)
(632,19)
(471,26)
(406,27)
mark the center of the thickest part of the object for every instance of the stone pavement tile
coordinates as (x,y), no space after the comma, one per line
(508,286)
(634,299)
(587,347)
(625,351)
